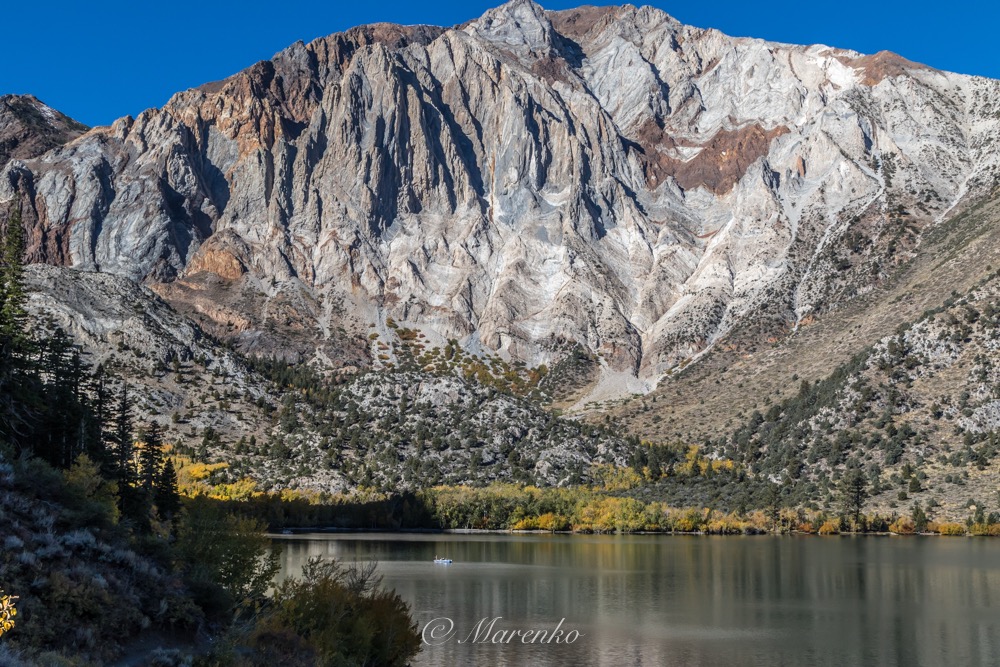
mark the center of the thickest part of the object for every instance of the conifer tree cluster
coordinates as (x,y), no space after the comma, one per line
(55,406)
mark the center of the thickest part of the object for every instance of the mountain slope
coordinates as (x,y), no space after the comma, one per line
(461,420)
(752,369)
(524,182)
(899,383)
(29,128)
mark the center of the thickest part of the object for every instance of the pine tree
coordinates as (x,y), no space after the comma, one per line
(919,518)
(12,294)
(150,457)
(168,498)
(100,427)
(123,451)
(854,491)
(210,439)
(772,495)
(19,394)
(62,423)
(122,437)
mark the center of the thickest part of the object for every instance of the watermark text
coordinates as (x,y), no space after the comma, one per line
(491,631)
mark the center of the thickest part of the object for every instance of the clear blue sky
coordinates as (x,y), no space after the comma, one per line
(99,60)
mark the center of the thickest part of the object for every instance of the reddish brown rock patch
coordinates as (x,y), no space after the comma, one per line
(393,36)
(339,48)
(224,254)
(45,242)
(550,70)
(220,262)
(883,65)
(27,129)
(719,165)
(575,23)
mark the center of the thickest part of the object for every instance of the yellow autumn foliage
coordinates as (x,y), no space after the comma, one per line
(195,472)
(7,613)
(697,465)
(613,478)
(947,529)
(830,527)
(985,529)
(902,526)
(242,489)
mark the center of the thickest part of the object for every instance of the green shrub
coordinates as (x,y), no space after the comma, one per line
(336,616)
(228,561)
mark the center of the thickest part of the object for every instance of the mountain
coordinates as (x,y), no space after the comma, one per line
(28,128)
(588,269)
(522,183)
(672,234)
(898,383)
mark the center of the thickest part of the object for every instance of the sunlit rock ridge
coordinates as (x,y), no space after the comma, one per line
(606,176)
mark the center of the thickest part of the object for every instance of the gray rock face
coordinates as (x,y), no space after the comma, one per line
(103,312)
(606,176)
(140,339)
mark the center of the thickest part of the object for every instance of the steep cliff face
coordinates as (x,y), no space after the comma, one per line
(606,176)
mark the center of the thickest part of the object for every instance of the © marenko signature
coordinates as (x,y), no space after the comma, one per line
(442,630)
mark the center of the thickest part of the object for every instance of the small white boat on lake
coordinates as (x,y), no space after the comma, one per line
(442,561)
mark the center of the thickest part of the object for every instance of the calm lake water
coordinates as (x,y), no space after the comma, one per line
(672,600)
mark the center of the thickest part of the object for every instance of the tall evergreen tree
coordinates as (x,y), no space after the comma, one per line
(150,457)
(123,436)
(12,294)
(167,495)
(62,424)
(100,426)
(123,451)
(854,491)
(19,394)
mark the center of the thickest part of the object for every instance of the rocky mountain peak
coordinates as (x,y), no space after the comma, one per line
(28,128)
(518,25)
(603,177)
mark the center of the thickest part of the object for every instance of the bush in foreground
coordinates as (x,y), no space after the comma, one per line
(335,616)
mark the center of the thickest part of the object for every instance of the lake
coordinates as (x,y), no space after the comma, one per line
(687,600)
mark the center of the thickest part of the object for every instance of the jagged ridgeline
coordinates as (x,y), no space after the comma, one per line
(604,175)
(29,128)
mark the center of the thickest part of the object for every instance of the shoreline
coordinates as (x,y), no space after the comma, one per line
(297,532)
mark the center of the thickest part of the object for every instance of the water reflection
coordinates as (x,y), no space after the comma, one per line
(712,601)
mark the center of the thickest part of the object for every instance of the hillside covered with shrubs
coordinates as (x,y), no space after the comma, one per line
(102,557)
